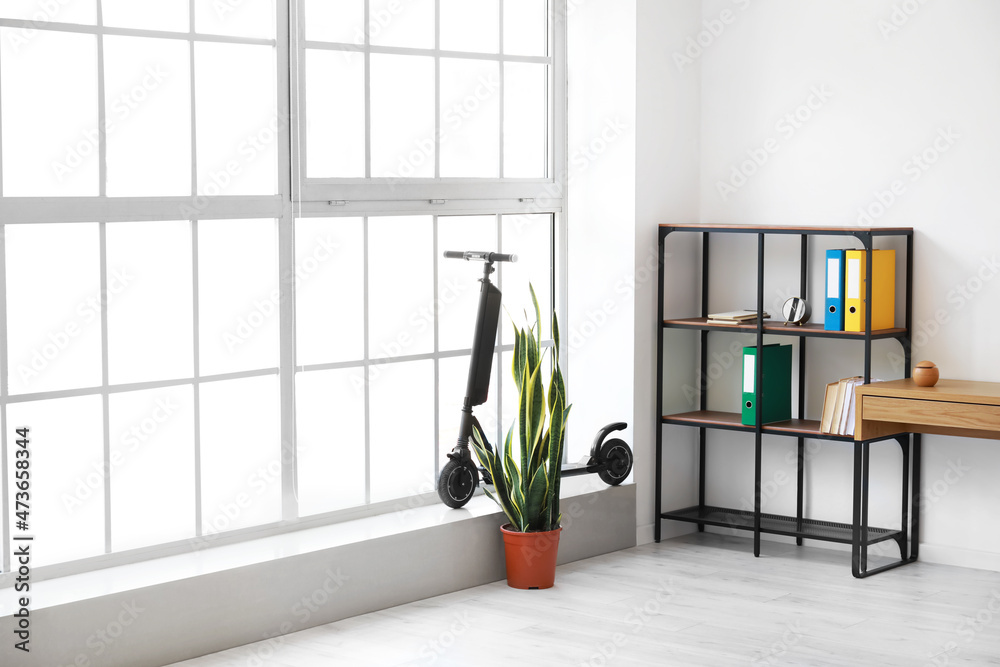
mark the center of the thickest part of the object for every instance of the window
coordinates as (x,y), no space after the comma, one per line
(223,302)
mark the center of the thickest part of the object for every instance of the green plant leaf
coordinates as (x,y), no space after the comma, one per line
(538,316)
(537,494)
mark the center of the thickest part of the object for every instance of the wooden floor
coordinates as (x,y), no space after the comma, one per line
(698,600)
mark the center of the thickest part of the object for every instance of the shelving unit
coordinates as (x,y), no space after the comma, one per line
(857,533)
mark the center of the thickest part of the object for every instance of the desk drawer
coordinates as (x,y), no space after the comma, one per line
(932,413)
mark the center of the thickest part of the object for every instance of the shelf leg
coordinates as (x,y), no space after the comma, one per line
(915,495)
(701,473)
(856,519)
(904,443)
(799,489)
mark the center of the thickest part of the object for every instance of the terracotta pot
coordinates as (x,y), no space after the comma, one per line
(531,558)
(925,374)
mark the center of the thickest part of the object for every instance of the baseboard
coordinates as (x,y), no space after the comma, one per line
(945,555)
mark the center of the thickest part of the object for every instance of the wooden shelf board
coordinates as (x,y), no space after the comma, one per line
(787,229)
(808,428)
(776,327)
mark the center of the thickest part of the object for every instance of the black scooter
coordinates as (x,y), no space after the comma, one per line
(610,459)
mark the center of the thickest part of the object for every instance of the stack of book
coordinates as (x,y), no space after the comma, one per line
(735,317)
(838,406)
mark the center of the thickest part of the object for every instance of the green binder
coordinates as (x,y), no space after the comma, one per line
(776,394)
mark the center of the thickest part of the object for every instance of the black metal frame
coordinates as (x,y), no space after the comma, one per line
(858,533)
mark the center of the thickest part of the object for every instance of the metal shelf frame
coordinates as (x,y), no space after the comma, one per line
(858,533)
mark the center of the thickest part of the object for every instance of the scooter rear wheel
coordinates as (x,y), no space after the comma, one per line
(457,483)
(618,457)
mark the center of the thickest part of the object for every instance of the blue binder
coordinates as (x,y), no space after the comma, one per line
(834,318)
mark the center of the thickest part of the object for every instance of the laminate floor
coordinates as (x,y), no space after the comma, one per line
(698,600)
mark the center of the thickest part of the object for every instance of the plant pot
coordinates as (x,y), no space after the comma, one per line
(531,558)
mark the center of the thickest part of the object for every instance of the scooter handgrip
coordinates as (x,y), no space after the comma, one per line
(497,257)
(454,254)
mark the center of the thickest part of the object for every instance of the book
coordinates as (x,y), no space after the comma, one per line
(828,404)
(735,317)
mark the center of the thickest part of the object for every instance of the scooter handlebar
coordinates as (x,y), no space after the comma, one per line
(479,256)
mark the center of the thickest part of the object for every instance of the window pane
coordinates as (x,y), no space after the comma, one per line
(470,25)
(150,324)
(152,467)
(402,430)
(340,21)
(453,375)
(530,238)
(402,23)
(246,18)
(238,296)
(240,457)
(525,27)
(330,304)
(50,138)
(54,306)
(470,118)
(402,144)
(148,90)
(63,11)
(524,123)
(237,120)
(67,475)
(330,413)
(159,15)
(400,286)
(335,131)
(458,280)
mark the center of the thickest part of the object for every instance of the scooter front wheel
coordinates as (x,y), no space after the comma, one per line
(617,456)
(457,483)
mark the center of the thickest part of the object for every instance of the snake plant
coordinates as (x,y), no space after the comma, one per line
(526,478)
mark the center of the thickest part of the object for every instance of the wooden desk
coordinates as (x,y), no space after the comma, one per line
(951,407)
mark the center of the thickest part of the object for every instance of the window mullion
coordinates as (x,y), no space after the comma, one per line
(196,389)
(367,372)
(4,502)
(105,396)
(368,109)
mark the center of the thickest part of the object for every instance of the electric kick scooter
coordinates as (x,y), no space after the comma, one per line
(610,459)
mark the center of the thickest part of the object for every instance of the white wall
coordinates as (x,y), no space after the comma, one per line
(887,80)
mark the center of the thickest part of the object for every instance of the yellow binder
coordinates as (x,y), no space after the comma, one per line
(883,290)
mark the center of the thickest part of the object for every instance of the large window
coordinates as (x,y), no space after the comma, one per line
(223,305)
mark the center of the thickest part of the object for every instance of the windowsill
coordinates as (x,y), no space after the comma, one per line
(107,581)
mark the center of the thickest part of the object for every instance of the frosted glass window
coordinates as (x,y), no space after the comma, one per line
(246,18)
(148,101)
(335,141)
(453,375)
(237,119)
(150,335)
(470,118)
(402,144)
(152,467)
(400,286)
(530,238)
(160,15)
(525,111)
(62,11)
(54,306)
(341,21)
(330,303)
(240,455)
(458,280)
(525,27)
(470,25)
(402,430)
(238,299)
(401,23)
(330,414)
(48,85)
(67,478)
